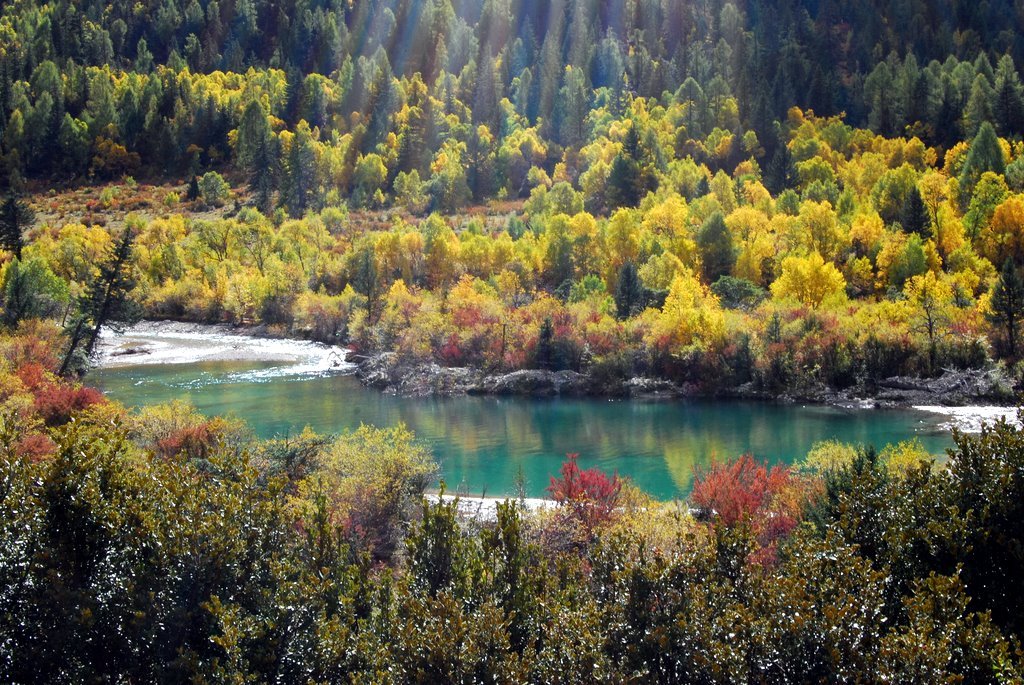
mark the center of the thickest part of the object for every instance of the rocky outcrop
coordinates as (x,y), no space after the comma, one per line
(389,373)
(535,383)
(953,388)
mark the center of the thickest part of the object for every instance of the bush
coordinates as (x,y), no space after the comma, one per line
(589,495)
(214,190)
(373,479)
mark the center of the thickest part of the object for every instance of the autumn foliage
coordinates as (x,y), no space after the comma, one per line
(747,492)
(589,494)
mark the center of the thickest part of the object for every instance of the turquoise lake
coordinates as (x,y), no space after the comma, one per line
(486,445)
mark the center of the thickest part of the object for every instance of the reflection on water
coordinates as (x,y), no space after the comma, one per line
(487,444)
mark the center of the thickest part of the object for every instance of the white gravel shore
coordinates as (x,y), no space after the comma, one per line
(486,508)
(970,419)
(164,342)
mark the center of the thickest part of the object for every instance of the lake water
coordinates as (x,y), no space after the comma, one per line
(486,445)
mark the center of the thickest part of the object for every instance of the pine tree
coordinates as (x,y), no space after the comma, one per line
(300,171)
(15,217)
(1008,304)
(1009,108)
(545,345)
(914,216)
(715,244)
(256,153)
(629,291)
(625,180)
(192,194)
(107,299)
(985,154)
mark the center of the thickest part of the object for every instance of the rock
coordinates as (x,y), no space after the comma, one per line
(534,383)
(652,388)
(387,372)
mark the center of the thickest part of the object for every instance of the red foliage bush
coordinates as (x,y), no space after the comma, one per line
(745,491)
(54,400)
(32,345)
(193,442)
(737,490)
(36,446)
(32,375)
(55,403)
(589,494)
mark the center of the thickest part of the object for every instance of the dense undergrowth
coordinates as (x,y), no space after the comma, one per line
(168,547)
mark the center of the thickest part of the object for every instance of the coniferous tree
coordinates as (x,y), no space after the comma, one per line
(985,154)
(716,248)
(625,179)
(1009,108)
(915,217)
(106,300)
(1008,304)
(300,171)
(15,217)
(629,291)
(545,353)
(257,154)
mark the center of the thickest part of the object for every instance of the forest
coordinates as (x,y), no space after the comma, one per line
(733,196)
(507,187)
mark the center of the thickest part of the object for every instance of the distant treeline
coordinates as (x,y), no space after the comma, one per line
(105,88)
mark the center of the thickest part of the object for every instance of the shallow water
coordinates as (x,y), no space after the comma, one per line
(490,444)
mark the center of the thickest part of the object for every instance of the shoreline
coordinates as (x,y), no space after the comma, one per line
(967,398)
(484,508)
(170,342)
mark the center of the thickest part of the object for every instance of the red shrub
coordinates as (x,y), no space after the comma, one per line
(193,442)
(745,491)
(589,494)
(36,446)
(55,403)
(737,490)
(32,345)
(32,375)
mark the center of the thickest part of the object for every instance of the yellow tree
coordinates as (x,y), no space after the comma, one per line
(821,232)
(810,280)
(691,316)
(1004,238)
(932,300)
(750,230)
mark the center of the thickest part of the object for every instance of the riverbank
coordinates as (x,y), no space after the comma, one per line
(966,398)
(955,388)
(485,509)
(170,342)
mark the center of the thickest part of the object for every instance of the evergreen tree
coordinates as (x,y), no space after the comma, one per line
(985,154)
(544,355)
(625,180)
(914,216)
(107,299)
(192,194)
(716,248)
(257,154)
(629,292)
(1009,108)
(1008,304)
(15,217)
(572,108)
(300,171)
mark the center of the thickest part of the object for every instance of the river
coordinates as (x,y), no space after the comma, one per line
(489,445)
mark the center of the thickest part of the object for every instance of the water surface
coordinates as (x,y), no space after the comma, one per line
(489,444)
